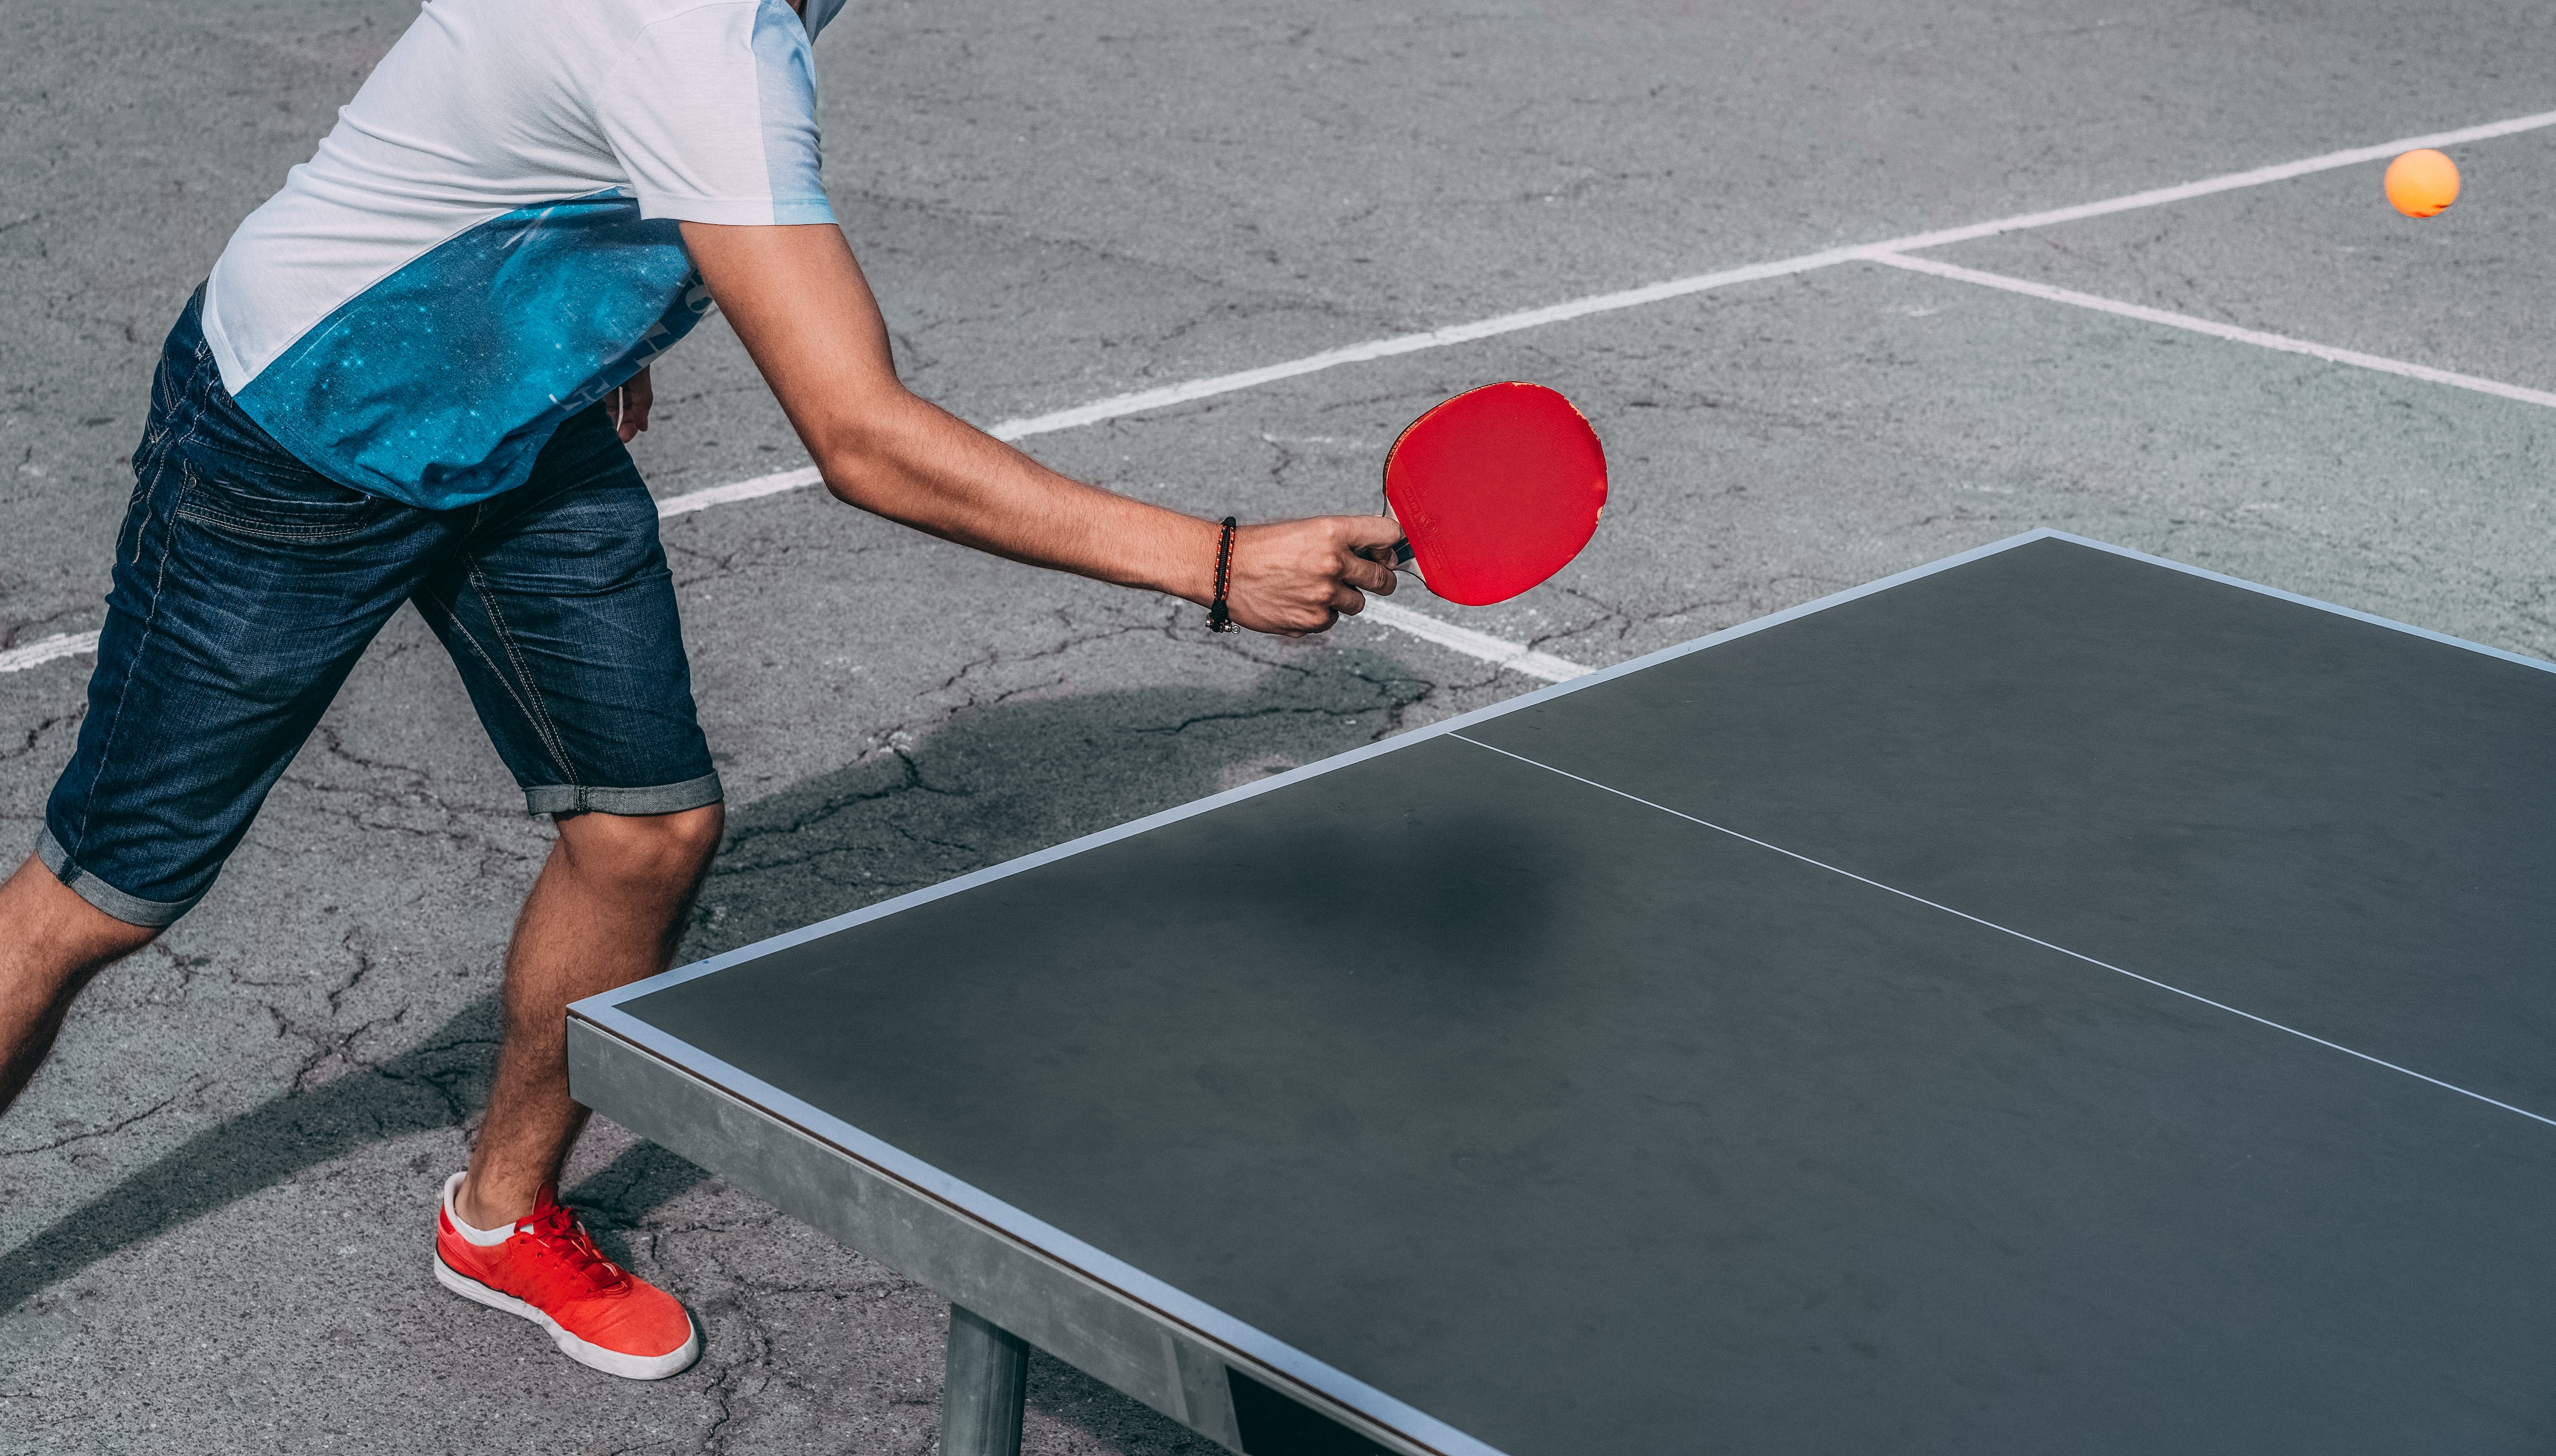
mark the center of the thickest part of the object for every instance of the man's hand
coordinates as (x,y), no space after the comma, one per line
(629,405)
(804,313)
(1299,577)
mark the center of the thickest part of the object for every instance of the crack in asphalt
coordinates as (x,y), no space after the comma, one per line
(369,805)
(34,736)
(1243,716)
(46,625)
(740,839)
(997,658)
(330,1046)
(355,978)
(110,1128)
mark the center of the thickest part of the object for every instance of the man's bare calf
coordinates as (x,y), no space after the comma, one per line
(51,943)
(607,911)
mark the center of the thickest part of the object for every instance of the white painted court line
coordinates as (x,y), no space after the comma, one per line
(1198,389)
(2018,935)
(743,490)
(45,649)
(1464,640)
(2214,330)
(2186,192)
(1517,657)
(1119,405)
(1524,658)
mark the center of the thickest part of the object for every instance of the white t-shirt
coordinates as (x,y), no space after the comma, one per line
(486,243)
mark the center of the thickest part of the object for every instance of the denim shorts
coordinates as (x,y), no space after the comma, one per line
(247,585)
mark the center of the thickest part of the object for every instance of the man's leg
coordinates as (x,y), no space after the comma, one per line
(607,911)
(559,614)
(245,586)
(51,942)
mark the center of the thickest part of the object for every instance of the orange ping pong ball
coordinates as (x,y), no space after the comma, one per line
(2422,184)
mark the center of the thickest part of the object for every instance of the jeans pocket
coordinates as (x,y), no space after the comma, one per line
(307,508)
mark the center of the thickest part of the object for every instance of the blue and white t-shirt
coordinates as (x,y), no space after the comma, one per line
(487,244)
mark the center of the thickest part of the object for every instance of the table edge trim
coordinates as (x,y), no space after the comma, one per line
(1256,1352)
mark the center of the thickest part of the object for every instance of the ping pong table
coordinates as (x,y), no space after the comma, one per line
(2052,1000)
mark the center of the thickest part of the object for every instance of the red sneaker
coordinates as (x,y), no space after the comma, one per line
(548,1271)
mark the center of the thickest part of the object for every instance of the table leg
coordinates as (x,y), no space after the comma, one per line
(982,1384)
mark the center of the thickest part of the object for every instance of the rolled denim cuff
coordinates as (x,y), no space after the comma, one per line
(132,909)
(664,799)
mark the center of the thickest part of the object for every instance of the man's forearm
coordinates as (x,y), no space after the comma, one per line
(906,459)
(804,313)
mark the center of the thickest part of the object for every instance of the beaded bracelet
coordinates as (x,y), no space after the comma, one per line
(1217,618)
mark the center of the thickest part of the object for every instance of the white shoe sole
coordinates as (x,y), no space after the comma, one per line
(610,1361)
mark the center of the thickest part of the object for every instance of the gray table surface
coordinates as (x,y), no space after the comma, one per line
(1886,1115)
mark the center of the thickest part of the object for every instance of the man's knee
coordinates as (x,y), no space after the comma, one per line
(645,851)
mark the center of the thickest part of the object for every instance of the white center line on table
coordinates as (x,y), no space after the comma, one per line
(2077,955)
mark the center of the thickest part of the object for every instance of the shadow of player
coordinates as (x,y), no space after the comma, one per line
(994,783)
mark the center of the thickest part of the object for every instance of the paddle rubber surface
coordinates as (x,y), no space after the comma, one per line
(1496,489)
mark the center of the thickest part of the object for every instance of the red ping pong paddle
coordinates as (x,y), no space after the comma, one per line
(1495,490)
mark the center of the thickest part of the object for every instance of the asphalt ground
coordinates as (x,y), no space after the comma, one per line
(216,1202)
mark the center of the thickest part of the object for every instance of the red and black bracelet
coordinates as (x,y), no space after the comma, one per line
(1217,618)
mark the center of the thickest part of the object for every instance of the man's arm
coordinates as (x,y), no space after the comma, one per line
(799,303)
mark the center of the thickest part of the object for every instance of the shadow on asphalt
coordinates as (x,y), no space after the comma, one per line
(995,783)
(432,1086)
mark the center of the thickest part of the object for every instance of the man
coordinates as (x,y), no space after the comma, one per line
(410,377)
